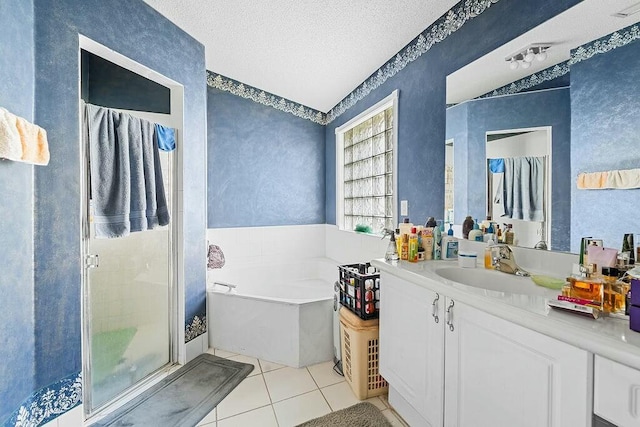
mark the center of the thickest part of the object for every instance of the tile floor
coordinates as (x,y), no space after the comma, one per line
(280,396)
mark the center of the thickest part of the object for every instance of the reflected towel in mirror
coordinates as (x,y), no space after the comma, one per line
(524,188)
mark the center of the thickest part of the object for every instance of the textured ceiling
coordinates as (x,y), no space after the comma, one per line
(587,21)
(311,52)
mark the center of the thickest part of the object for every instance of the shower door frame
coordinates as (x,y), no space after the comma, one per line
(177,349)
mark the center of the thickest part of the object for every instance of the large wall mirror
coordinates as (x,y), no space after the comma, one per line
(562,99)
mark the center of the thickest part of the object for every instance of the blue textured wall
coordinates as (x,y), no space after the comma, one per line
(421,110)
(16,212)
(605,131)
(266,167)
(529,109)
(137,31)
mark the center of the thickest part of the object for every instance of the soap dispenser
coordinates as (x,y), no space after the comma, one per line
(475,234)
(488,256)
(449,245)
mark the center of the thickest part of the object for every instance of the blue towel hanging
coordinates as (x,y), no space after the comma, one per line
(165,138)
(496,165)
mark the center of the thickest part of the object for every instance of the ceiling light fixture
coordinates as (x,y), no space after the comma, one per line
(525,56)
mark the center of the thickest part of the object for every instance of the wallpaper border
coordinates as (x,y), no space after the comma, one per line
(49,402)
(446,25)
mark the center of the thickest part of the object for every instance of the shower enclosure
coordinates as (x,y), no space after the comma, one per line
(129,283)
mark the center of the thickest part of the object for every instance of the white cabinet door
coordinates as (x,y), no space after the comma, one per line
(411,346)
(617,393)
(501,374)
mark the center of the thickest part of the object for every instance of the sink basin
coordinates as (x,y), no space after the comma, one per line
(492,280)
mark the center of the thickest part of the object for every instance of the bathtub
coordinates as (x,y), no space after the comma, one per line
(281,313)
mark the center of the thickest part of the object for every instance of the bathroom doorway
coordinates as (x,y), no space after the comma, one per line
(131,296)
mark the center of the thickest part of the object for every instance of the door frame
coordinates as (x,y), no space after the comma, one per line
(177,348)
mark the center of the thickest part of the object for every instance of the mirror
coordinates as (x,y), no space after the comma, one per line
(584,91)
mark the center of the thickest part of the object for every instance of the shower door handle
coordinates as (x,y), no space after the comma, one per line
(92,261)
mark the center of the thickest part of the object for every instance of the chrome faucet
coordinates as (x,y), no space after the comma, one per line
(502,259)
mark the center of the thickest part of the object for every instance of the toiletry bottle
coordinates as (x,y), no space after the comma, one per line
(449,246)
(404,254)
(392,248)
(614,291)
(498,234)
(398,239)
(437,243)
(413,246)
(405,227)
(427,242)
(488,255)
(509,237)
(475,234)
(467,226)
(586,286)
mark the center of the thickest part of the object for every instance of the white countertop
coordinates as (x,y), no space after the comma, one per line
(607,337)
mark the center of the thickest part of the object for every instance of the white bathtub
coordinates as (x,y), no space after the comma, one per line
(280,313)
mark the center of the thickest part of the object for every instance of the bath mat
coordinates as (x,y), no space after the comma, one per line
(183,398)
(363,414)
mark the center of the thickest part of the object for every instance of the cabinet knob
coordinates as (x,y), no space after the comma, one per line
(434,308)
(449,315)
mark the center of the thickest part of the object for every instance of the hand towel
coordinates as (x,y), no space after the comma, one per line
(10,145)
(165,138)
(126,177)
(496,165)
(593,180)
(35,148)
(623,179)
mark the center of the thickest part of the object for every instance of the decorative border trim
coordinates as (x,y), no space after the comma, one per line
(226,84)
(435,33)
(195,328)
(534,79)
(49,402)
(446,25)
(605,44)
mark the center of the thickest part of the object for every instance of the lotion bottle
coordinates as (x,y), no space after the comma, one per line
(475,235)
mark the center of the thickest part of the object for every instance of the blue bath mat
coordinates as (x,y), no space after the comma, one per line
(184,398)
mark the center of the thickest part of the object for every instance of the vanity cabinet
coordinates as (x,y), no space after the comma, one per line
(616,393)
(471,368)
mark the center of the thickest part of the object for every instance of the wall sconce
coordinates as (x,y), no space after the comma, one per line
(524,57)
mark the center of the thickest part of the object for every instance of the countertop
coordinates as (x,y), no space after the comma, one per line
(608,337)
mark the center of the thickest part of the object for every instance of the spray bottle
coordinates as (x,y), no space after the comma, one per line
(392,249)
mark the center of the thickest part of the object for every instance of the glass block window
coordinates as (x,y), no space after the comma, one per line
(367,172)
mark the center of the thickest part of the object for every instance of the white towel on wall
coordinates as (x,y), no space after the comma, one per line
(10,145)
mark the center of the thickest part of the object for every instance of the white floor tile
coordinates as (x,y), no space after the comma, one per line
(269,366)
(294,411)
(263,417)
(209,420)
(224,353)
(288,382)
(250,394)
(324,375)
(395,421)
(339,396)
(378,402)
(250,360)
(211,351)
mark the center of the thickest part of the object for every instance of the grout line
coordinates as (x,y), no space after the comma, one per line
(240,413)
(266,386)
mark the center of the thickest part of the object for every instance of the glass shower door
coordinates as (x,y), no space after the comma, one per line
(128,288)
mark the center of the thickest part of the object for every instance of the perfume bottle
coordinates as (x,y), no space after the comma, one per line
(586,286)
(614,291)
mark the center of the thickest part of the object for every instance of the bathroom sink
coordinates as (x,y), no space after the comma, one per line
(492,280)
